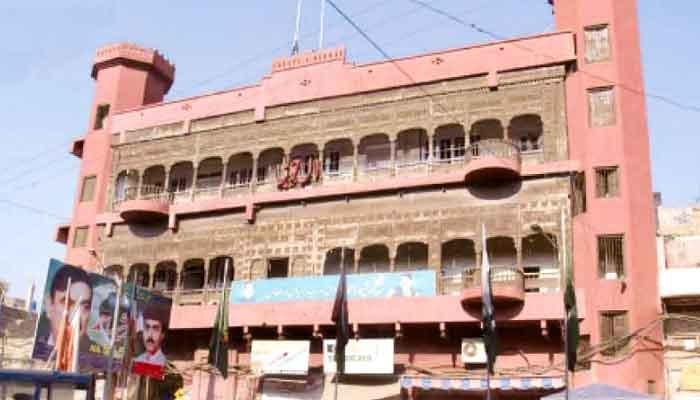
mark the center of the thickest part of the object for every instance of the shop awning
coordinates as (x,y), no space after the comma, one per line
(479,384)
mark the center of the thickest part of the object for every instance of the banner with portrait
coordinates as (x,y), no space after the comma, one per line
(150,316)
(91,300)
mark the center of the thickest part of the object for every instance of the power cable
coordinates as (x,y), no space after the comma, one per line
(265,54)
(33,209)
(477,28)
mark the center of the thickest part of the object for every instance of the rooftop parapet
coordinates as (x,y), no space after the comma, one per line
(310,58)
(131,53)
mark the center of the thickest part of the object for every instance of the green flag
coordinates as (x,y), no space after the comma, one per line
(572,328)
(218,345)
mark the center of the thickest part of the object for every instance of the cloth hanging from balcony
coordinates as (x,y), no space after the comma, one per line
(291,178)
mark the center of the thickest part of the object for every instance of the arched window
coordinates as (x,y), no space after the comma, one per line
(448,143)
(411,147)
(139,275)
(374,152)
(165,277)
(240,170)
(217,268)
(411,256)
(193,274)
(374,258)
(456,256)
(335,258)
(540,263)
(338,158)
(526,132)
(270,165)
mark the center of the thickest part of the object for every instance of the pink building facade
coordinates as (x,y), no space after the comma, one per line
(324,162)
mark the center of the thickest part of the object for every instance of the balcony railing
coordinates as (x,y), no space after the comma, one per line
(442,160)
(498,148)
(507,284)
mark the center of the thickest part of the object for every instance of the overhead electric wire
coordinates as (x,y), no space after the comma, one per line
(477,28)
(265,54)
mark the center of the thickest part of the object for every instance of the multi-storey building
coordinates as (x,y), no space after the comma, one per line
(389,167)
(679,287)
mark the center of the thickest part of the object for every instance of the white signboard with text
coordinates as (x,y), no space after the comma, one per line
(362,356)
(280,357)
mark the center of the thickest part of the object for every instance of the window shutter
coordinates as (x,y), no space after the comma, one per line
(613,184)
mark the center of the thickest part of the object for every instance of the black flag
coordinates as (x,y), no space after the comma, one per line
(572,328)
(340,317)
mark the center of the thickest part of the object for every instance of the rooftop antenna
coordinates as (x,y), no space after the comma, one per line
(295,44)
(323,16)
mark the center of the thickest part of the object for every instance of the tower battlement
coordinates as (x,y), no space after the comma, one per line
(134,54)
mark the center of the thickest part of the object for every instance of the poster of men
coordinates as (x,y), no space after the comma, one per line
(151,315)
(90,299)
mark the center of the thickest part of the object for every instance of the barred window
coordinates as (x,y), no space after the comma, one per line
(597,43)
(80,236)
(601,107)
(87,192)
(613,328)
(607,182)
(611,258)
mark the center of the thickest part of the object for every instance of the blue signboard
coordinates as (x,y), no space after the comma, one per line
(360,286)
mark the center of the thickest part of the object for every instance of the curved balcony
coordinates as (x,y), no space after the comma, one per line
(492,160)
(151,204)
(507,285)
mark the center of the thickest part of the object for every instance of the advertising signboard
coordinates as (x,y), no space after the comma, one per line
(150,314)
(280,357)
(362,356)
(93,298)
(360,286)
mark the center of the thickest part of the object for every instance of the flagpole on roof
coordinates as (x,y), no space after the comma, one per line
(295,42)
(320,35)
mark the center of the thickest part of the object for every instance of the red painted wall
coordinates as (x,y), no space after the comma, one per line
(625,144)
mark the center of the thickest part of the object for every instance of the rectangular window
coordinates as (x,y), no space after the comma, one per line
(100,115)
(601,107)
(278,268)
(87,192)
(597,43)
(607,182)
(613,329)
(579,197)
(80,236)
(611,260)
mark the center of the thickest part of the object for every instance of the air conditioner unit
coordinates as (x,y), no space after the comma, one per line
(473,351)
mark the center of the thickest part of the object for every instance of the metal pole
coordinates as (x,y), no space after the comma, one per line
(126,369)
(337,373)
(323,17)
(107,392)
(295,44)
(562,247)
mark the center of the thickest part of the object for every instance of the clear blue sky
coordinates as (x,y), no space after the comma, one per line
(46,90)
